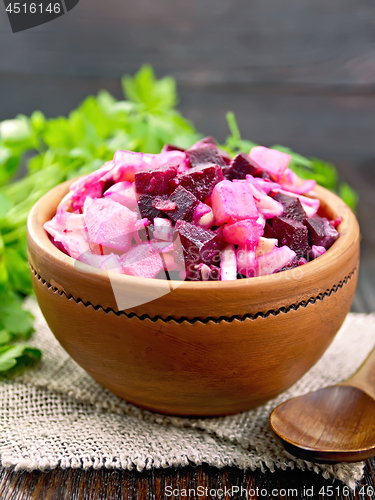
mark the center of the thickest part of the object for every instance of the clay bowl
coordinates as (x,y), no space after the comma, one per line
(204,348)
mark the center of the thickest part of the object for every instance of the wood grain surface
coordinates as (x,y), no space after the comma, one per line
(333,424)
(153,485)
(300,74)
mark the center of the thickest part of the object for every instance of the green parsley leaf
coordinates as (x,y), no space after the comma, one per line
(5,337)
(13,317)
(13,358)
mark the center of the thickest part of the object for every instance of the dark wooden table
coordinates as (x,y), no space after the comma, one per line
(159,484)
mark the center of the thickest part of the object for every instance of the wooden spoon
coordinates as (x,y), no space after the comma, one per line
(335,424)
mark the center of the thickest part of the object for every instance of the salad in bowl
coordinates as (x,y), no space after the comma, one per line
(192,283)
(194,215)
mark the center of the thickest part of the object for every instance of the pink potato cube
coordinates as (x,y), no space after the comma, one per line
(109,223)
(145,268)
(142,260)
(270,160)
(243,232)
(67,230)
(163,229)
(265,245)
(124,193)
(272,262)
(233,201)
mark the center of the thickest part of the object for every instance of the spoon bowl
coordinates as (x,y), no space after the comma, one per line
(334,424)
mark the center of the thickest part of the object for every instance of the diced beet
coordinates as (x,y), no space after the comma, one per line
(146,206)
(269,232)
(219,231)
(171,147)
(200,246)
(240,167)
(209,140)
(155,181)
(310,205)
(225,156)
(127,163)
(178,252)
(321,233)
(185,205)
(292,206)
(208,153)
(291,233)
(199,180)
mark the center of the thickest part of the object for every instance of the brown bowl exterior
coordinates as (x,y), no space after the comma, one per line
(206,348)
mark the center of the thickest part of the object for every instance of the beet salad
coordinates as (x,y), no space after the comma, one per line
(194,214)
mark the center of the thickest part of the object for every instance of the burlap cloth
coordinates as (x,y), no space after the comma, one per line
(56,415)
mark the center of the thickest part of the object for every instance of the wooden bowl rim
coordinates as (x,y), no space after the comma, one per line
(348,230)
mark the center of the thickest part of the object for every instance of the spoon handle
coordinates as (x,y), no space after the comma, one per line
(364,377)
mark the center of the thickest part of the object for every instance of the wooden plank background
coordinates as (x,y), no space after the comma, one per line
(295,72)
